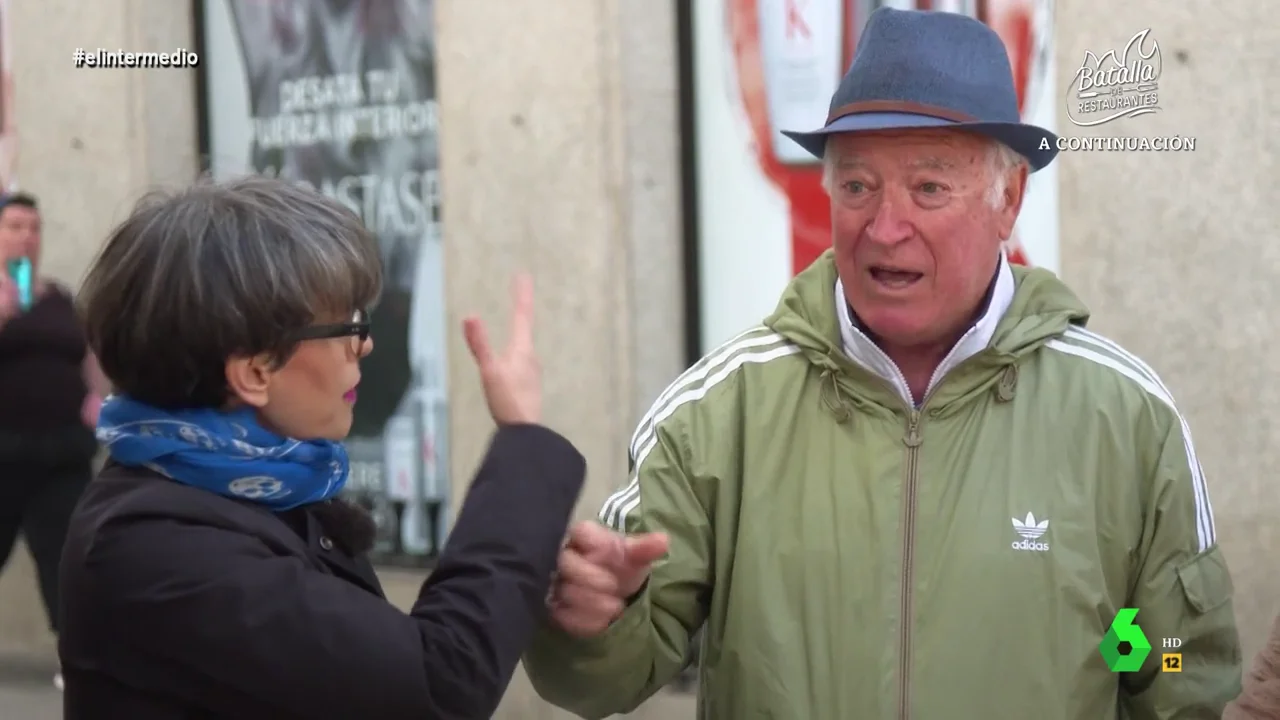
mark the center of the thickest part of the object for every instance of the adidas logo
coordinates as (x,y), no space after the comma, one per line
(1031,531)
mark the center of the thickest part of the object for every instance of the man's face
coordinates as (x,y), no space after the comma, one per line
(20,233)
(916,235)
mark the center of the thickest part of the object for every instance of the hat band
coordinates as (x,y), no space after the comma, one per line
(898,106)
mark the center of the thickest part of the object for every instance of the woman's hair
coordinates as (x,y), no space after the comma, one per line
(220,269)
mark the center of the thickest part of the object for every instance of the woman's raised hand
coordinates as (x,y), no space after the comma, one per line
(512,379)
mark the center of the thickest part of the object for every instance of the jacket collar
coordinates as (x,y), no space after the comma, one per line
(861,350)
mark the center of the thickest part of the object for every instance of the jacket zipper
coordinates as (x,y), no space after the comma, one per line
(912,440)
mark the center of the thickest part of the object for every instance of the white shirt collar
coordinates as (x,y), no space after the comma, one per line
(867,354)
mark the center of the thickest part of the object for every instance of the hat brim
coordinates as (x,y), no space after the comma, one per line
(1028,141)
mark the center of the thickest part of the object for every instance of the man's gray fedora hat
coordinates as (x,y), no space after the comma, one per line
(922,69)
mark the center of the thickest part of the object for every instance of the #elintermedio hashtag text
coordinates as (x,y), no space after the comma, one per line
(102,58)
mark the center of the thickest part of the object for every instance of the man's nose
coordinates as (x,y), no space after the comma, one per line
(889,226)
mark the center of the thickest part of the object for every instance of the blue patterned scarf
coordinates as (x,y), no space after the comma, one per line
(228,453)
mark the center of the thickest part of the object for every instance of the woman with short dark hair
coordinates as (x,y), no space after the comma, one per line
(211,569)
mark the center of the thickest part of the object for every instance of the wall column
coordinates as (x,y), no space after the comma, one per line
(90,141)
(1176,252)
(560,155)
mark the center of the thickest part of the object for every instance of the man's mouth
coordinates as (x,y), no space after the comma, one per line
(894,277)
(350,395)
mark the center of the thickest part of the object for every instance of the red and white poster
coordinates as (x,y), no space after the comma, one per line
(8,131)
(763,66)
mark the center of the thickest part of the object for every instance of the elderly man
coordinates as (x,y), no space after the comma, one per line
(922,489)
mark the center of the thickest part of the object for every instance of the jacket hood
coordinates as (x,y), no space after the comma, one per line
(1038,307)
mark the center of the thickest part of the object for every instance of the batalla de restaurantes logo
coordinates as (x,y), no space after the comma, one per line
(1117,85)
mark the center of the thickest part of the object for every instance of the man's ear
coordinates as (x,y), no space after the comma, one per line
(249,378)
(1011,204)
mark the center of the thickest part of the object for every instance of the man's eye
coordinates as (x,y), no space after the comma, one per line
(854,186)
(930,188)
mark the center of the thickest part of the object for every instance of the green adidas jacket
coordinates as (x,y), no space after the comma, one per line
(854,557)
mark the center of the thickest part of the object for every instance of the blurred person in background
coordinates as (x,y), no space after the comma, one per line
(1260,698)
(212,570)
(50,391)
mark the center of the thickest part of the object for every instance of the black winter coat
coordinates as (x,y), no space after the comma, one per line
(179,603)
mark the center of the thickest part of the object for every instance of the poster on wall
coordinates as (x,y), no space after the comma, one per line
(340,95)
(763,66)
(8,132)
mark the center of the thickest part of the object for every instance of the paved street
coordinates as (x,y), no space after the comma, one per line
(27,693)
(26,689)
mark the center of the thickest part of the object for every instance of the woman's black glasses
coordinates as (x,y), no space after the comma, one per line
(357,329)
